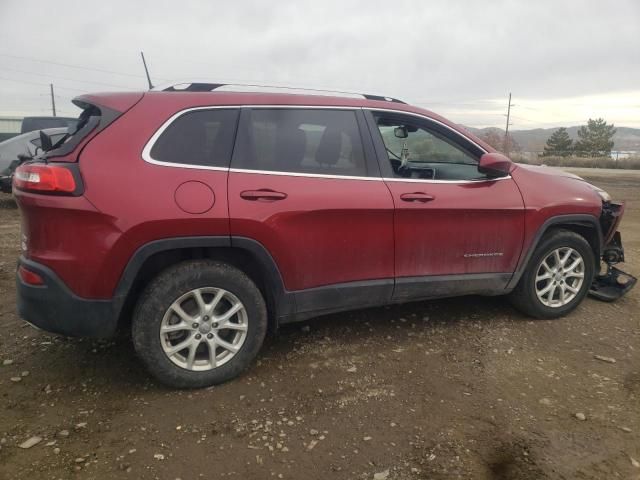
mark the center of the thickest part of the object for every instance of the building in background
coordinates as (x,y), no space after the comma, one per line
(9,127)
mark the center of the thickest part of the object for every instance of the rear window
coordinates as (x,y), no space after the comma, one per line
(201,137)
(316,141)
(29,124)
(90,118)
(54,139)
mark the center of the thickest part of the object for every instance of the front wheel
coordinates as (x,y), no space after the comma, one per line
(557,277)
(199,323)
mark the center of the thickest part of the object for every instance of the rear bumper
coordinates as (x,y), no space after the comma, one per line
(54,308)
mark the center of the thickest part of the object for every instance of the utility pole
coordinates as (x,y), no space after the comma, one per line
(146,70)
(506,129)
(53,100)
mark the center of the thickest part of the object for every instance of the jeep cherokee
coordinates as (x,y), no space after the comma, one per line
(199,216)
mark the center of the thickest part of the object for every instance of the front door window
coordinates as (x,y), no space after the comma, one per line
(415,152)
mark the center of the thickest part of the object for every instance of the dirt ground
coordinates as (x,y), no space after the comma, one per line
(459,388)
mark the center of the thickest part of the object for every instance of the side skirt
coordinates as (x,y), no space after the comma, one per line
(341,297)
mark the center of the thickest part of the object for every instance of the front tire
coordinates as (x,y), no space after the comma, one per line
(557,278)
(199,323)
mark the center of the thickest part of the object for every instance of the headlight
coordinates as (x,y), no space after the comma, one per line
(603,195)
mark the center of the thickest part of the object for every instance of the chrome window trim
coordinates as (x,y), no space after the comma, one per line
(146,151)
(428,180)
(457,133)
(308,175)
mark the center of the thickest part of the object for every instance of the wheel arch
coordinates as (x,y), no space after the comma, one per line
(243,253)
(585,225)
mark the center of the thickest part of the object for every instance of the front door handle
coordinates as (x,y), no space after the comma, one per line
(416,197)
(264,194)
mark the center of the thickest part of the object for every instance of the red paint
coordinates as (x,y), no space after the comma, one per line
(194,197)
(325,231)
(321,231)
(433,237)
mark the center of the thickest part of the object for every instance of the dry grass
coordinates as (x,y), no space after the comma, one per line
(631,163)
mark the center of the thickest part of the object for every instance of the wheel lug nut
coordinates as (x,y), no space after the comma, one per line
(198,336)
(215,325)
(210,336)
(195,325)
(205,318)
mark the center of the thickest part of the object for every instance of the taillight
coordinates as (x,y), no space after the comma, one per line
(44,178)
(29,277)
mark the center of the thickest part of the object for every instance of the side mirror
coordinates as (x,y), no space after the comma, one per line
(495,165)
(401,132)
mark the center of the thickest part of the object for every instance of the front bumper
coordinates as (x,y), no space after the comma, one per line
(614,283)
(54,308)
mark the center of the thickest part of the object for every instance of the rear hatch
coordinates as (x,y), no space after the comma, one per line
(58,222)
(98,112)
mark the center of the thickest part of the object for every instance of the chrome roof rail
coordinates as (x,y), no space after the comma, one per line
(252,87)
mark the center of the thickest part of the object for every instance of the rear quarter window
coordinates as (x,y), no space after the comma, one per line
(202,137)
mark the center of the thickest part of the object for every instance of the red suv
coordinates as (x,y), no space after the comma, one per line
(198,217)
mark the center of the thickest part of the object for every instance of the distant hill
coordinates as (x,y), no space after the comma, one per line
(625,139)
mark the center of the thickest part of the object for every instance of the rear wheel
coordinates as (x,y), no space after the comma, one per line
(199,323)
(558,276)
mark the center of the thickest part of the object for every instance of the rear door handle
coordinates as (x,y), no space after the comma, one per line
(264,194)
(416,197)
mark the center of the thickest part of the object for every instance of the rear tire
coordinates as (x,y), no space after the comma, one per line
(558,276)
(199,323)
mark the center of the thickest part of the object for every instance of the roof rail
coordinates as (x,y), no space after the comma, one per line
(210,87)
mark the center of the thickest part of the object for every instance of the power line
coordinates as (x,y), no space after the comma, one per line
(68,65)
(42,84)
(65,78)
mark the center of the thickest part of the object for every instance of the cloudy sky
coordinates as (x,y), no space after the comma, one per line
(564,61)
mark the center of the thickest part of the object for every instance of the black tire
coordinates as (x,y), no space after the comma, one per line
(168,286)
(524,296)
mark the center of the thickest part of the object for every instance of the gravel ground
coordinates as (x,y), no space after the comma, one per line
(458,388)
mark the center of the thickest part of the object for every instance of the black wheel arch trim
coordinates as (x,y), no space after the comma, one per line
(585,220)
(282,301)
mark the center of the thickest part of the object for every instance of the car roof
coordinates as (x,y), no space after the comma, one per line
(182,100)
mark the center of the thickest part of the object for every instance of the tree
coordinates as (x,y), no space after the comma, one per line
(595,139)
(495,138)
(558,144)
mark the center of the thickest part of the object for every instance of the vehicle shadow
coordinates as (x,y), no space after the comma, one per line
(112,365)
(445,312)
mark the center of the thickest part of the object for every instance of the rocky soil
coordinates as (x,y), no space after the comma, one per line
(458,388)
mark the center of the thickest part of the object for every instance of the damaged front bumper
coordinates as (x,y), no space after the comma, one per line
(613,283)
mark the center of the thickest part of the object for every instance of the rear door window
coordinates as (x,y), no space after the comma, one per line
(313,141)
(201,137)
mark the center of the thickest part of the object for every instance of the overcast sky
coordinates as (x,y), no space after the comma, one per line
(564,61)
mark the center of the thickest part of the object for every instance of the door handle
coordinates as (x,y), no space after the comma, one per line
(264,194)
(417,197)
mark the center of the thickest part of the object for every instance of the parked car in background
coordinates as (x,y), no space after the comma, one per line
(197,218)
(19,149)
(30,124)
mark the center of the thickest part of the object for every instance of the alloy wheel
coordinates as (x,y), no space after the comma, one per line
(559,277)
(204,329)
